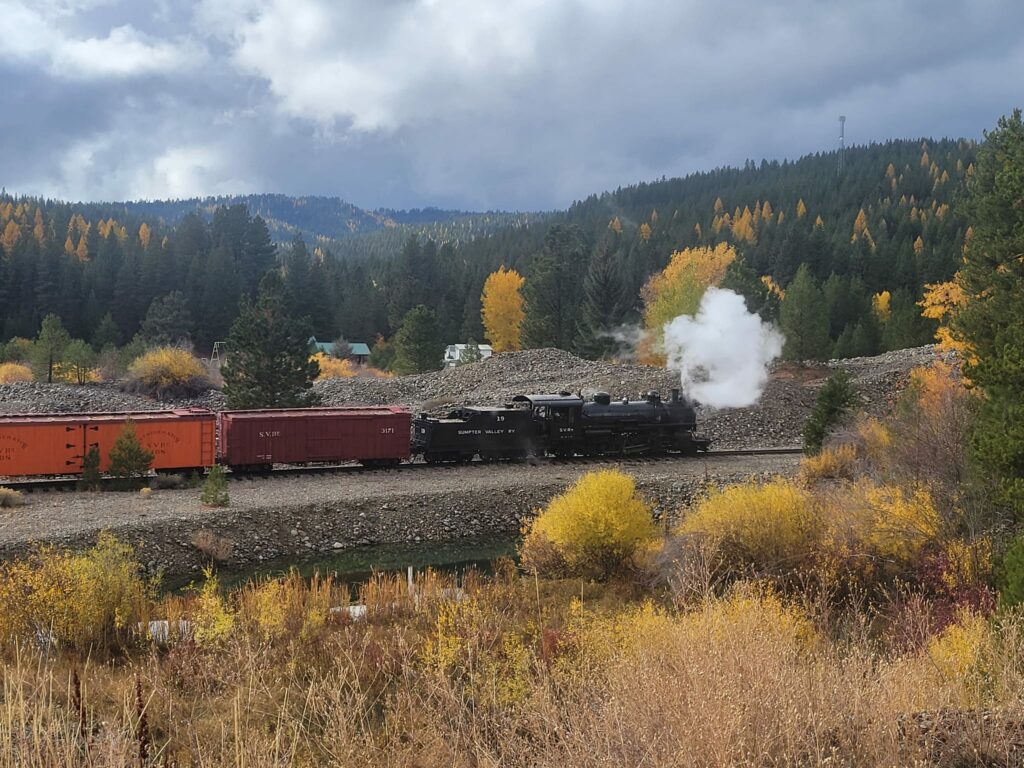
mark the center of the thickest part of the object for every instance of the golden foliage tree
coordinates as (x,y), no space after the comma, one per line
(502,309)
(144,234)
(11,235)
(593,528)
(940,302)
(677,290)
(801,208)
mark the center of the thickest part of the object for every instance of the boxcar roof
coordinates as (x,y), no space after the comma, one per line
(103,416)
(296,413)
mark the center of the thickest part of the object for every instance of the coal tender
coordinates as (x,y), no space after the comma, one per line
(562,424)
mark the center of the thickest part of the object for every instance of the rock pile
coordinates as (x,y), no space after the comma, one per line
(36,397)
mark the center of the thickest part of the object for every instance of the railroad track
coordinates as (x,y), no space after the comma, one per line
(71,483)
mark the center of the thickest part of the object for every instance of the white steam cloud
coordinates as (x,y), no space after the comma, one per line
(723,352)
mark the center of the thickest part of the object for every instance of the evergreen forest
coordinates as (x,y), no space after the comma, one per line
(857,247)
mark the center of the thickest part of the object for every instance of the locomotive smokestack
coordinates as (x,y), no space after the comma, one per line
(675,395)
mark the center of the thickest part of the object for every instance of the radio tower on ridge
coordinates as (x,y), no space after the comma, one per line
(842,144)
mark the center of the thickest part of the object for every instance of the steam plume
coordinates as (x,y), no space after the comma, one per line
(723,352)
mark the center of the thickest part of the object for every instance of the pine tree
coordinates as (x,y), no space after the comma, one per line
(268,363)
(835,400)
(803,318)
(992,320)
(502,309)
(129,460)
(553,287)
(418,345)
(215,488)
(107,334)
(49,347)
(602,309)
(168,320)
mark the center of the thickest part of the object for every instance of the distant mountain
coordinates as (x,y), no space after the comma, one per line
(313,217)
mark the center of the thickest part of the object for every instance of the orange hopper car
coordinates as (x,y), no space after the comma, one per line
(55,444)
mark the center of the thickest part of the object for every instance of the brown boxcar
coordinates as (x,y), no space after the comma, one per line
(259,439)
(56,443)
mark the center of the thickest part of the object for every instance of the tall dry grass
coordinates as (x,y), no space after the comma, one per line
(514,671)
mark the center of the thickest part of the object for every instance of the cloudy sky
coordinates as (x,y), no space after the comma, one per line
(474,104)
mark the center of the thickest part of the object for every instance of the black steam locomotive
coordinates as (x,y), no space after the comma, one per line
(560,425)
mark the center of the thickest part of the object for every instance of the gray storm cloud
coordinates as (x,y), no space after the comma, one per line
(473,105)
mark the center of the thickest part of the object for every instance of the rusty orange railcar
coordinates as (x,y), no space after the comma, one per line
(55,444)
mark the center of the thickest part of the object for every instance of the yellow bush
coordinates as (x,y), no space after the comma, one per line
(81,600)
(901,523)
(961,654)
(836,463)
(12,372)
(768,526)
(875,438)
(10,497)
(333,368)
(168,372)
(595,527)
(213,619)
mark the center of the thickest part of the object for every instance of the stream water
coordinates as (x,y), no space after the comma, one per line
(354,566)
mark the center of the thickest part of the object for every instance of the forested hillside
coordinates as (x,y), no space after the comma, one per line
(887,223)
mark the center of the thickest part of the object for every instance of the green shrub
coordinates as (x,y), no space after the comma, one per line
(1012,574)
(215,489)
(91,475)
(129,460)
(835,400)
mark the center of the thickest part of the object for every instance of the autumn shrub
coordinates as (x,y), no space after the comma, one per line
(167,372)
(594,528)
(334,368)
(17,350)
(834,463)
(14,372)
(213,617)
(215,488)
(92,599)
(769,527)
(10,498)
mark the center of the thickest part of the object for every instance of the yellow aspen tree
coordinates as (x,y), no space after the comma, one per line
(757,213)
(82,252)
(918,246)
(859,225)
(781,217)
(645,231)
(69,246)
(939,302)
(614,225)
(12,232)
(819,222)
(39,227)
(677,290)
(719,207)
(925,160)
(697,231)
(502,309)
(881,305)
(890,171)
(654,216)
(773,287)
(766,211)
(19,213)
(801,209)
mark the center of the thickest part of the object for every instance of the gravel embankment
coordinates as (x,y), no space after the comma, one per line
(313,514)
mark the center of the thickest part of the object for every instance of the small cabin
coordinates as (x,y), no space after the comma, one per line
(358,353)
(456,354)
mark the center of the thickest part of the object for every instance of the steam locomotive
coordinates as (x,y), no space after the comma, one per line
(561,425)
